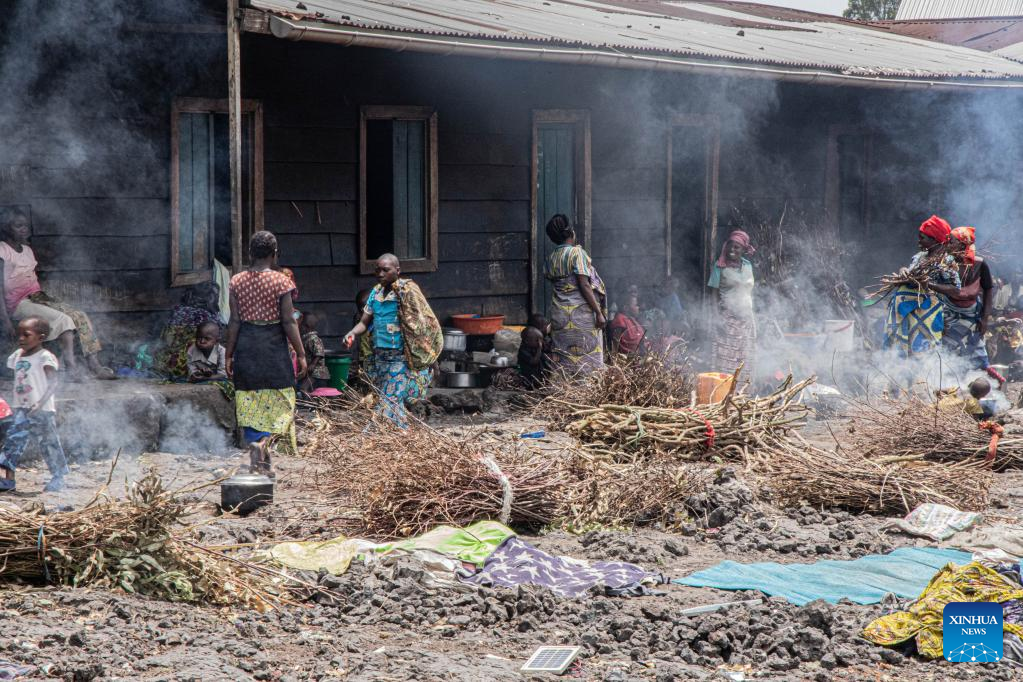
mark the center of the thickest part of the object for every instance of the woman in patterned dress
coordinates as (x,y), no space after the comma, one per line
(578,304)
(261,329)
(407,339)
(731,277)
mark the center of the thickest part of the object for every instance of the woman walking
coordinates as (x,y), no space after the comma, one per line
(578,304)
(407,339)
(261,329)
(735,332)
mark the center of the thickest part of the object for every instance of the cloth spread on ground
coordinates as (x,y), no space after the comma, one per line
(1002,542)
(516,563)
(865,580)
(334,555)
(472,544)
(9,670)
(936,521)
(923,620)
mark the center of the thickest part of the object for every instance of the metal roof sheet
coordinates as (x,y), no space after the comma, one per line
(715,30)
(989,35)
(958,9)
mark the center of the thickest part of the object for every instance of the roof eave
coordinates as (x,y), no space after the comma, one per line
(352,36)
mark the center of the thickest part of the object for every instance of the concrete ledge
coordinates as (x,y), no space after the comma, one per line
(98,418)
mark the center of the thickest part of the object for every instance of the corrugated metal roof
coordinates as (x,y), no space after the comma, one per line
(715,30)
(958,9)
(989,35)
(1012,52)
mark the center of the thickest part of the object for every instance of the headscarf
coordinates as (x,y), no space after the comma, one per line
(740,238)
(937,229)
(967,236)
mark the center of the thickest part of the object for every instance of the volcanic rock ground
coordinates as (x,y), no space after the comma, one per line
(376,623)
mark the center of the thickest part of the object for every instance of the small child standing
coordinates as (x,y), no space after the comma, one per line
(206,357)
(35,382)
(315,353)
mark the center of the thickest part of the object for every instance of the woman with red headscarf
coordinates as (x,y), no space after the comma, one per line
(731,277)
(967,307)
(916,319)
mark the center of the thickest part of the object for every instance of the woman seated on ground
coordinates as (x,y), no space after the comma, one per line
(24,297)
(627,333)
(199,305)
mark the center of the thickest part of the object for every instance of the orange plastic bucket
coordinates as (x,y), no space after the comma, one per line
(712,387)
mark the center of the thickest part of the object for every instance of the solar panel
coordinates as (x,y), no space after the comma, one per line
(551,659)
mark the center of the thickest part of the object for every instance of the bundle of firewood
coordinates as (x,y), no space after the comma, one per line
(914,429)
(794,472)
(137,544)
(918,276)
(726,429)
(406,481)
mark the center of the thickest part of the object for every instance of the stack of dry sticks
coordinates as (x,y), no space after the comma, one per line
(406,481)
(135,544)
(725,429)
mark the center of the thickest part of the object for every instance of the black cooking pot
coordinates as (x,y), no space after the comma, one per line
(244,493)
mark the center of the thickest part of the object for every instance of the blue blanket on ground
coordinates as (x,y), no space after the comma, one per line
(905,572)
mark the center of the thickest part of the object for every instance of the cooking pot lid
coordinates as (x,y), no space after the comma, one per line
(248,479)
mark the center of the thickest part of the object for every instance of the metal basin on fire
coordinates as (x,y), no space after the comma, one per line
(244,493)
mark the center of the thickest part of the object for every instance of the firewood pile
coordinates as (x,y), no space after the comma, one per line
(913,429)
(628,431)
(137,545)
(793,472)
(406,481)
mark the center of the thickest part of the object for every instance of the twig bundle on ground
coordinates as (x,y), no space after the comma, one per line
(724,429)
(793,472)
(406,481)
(128,544)
(914,429)
(652,380)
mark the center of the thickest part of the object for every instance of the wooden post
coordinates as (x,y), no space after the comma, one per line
(234,114)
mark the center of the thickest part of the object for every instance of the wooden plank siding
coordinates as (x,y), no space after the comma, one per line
(102,225)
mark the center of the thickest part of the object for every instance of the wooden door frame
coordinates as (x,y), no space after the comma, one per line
(712,124)
(199,105)
(583,185)
(832,182)
(367,261)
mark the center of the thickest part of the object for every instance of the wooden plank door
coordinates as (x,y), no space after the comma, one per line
(561,184)
(555,193)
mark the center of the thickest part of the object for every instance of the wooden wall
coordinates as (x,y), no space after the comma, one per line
(102,224)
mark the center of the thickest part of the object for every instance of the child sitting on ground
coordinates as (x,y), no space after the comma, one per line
(206,356)
(979,389)
(315,353)
(35,382)
(534,349)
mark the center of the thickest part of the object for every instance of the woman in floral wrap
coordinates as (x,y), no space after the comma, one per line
(578,303)
(407,339)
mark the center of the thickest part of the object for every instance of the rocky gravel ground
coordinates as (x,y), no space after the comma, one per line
(390,623)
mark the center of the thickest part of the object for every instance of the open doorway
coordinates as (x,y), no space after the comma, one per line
(692,199)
